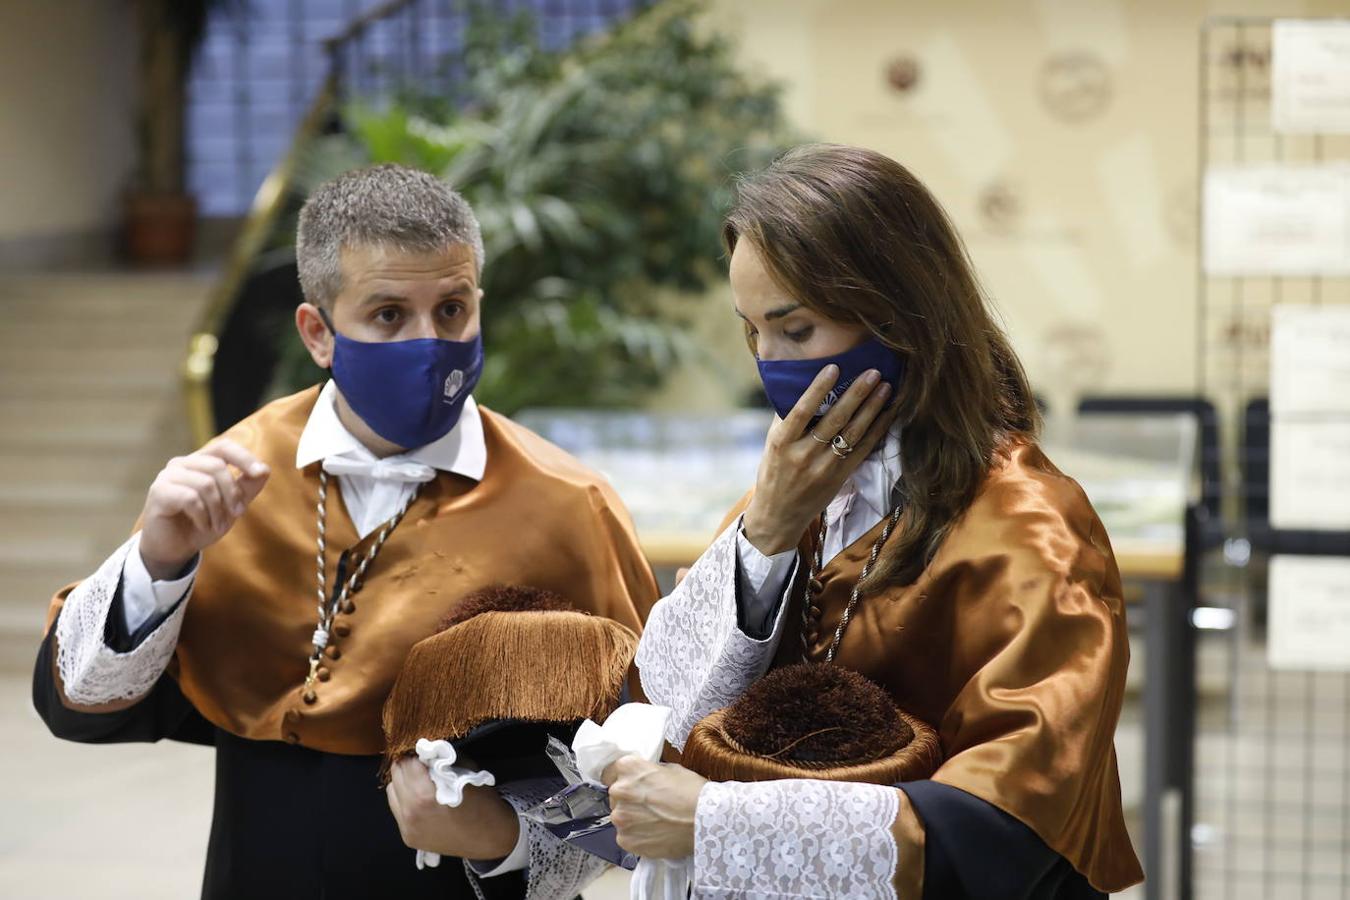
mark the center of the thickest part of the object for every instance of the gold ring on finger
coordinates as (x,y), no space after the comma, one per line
(840,443)
(819,438)
(840,453)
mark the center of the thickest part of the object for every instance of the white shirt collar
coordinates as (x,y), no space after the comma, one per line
(462,450)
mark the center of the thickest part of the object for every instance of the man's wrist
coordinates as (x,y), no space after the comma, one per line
(505,842)
(161,570)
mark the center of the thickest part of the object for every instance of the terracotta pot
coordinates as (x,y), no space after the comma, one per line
(160,229)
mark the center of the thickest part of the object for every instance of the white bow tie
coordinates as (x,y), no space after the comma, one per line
(380,469)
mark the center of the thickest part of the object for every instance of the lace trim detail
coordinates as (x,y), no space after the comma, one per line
(91,672)
(693,657)
(795,838)
(558,870)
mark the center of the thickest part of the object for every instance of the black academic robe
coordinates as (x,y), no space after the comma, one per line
(975,851)
(289,822)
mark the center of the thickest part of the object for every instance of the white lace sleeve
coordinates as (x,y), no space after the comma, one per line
(693,657)
(91,672)
(557,870)
(795,838)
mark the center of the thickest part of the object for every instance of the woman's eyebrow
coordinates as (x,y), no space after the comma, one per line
(772,314)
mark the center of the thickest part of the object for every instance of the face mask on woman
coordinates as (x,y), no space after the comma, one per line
(785,380)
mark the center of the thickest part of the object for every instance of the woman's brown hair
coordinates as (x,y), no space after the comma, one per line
(854,236)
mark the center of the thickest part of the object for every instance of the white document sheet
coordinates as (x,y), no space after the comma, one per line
(1310,474)
(1310,360)
(1277,220)
(1309,613)
(1310,76)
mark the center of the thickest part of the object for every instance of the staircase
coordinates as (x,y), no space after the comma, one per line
(89,398)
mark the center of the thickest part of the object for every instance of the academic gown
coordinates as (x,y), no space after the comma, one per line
(1011,644)
(298,809)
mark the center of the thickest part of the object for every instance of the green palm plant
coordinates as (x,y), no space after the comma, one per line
(599,177)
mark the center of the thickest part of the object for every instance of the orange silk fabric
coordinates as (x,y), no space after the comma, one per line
(1012,643)
(537,518)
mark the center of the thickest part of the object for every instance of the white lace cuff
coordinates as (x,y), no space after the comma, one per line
(764,582)
(795,838)
(143,597)
(91,672)
(557,869)
(693,657)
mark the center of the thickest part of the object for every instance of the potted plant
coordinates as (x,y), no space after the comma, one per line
(160,216)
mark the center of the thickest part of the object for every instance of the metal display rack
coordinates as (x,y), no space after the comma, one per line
(1271,777)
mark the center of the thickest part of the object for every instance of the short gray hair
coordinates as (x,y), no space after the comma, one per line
(386,205)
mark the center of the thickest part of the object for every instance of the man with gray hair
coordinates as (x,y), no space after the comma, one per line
(279,575)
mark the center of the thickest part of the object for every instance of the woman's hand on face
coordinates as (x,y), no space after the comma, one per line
(800,473)
(652,806)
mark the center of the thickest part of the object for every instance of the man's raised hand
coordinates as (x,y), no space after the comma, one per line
(194,501)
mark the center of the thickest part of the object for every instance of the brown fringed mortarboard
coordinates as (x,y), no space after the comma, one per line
(812,720)
(517,654)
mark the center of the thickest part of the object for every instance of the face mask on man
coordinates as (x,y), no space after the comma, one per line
(785,380)
(409,392)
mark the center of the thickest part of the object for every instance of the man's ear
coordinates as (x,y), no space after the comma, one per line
(318,339)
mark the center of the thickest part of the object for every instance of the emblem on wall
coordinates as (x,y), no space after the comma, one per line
(902,74)
(1075,86)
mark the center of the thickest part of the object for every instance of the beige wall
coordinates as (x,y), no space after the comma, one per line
(67,106)
(1083,231)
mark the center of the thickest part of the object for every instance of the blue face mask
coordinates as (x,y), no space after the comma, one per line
(785,380)
(409,392)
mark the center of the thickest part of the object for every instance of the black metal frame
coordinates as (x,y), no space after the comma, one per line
(1170,642)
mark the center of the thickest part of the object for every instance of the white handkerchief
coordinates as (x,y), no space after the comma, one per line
(662,879)
(638,728)
(450,780)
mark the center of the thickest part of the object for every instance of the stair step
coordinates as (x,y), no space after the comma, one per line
(114,362)
(120,438)
(23,414)
(67,470)
(72,550)
(89,296)
(66,497)
(141,386)
(105,524)
(149,331)
(24,596)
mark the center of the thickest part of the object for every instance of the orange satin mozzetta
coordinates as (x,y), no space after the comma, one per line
(1012,643)
(538,517)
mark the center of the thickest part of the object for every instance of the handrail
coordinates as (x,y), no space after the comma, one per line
(267,205)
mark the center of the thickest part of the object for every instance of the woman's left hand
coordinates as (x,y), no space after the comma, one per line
(652,806)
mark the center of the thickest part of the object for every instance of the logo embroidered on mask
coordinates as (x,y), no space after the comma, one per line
(453,383)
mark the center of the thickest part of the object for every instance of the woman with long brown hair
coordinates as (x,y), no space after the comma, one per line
(906,528)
